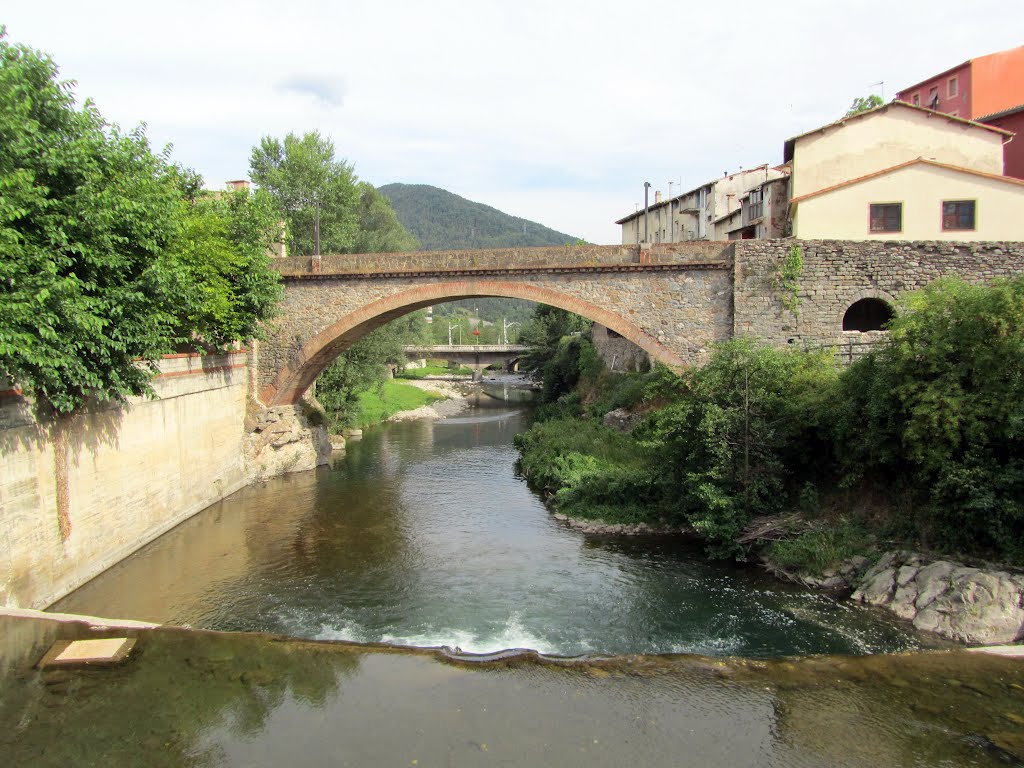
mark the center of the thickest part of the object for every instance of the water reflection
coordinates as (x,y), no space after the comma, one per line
(194,698)
(424,535)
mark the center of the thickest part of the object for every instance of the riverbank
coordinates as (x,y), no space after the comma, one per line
(454,400)
(595,479)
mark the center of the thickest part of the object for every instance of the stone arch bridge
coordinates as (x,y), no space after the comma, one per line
(674,300)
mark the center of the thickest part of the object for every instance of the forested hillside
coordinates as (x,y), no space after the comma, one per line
(441,221)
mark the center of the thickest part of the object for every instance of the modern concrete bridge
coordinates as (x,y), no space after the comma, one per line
(673,300)
(475,356)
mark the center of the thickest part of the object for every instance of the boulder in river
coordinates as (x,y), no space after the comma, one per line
(969,605)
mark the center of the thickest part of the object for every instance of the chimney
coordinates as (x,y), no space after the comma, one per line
(657,197)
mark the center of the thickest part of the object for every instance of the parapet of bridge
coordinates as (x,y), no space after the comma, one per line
(674,300)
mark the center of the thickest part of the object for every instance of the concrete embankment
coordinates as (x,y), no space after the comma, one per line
(79,493)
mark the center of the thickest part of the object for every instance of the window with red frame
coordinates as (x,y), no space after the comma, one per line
(886,217)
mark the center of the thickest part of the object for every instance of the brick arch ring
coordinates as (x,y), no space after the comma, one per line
(318,352)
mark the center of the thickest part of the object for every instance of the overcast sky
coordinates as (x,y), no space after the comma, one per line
(557,111)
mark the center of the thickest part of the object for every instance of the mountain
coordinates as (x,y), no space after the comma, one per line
(442,221)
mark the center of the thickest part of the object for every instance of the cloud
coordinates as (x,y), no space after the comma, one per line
(557,112)
(330,91)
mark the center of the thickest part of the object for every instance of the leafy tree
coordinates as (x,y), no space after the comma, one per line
(555,359)
(219,264)
(112,256)
(380,231)
(364,366)
(863,104)
(940,411)
(748,423)
(86,211)
(302,174)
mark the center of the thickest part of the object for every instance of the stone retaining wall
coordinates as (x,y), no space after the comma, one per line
(838,273)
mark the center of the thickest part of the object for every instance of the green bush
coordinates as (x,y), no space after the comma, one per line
(742,432)
(590,471)
(822,548)
(939,412)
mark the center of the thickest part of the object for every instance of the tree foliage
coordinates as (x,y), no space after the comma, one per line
(104,266)
(365,366)
(379,230)
(86,211)
(939,411)
(863,104)
(302,174)
(220,268)
(749,423)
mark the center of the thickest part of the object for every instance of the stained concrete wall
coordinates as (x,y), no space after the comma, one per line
(79,494)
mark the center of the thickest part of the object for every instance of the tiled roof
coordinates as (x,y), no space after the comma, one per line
(787,152)
(919,160)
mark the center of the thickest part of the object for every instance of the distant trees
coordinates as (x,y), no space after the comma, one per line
(379,230)
(441,220)
(101,270)
(863,104)
(307,182)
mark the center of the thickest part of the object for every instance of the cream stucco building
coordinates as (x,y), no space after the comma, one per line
(903,172)
(917,200)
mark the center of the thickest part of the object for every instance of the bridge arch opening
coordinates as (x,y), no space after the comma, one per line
(867,314)
(304,365)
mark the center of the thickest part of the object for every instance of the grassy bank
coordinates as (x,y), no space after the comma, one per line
(433,370)
(392,397)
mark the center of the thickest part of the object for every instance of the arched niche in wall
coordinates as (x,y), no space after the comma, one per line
(867,314)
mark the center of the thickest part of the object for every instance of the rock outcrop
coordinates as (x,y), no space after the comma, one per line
(969,605)
(622,420)
(618,529)
(282,440)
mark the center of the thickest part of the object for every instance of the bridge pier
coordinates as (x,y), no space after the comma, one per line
(283,439)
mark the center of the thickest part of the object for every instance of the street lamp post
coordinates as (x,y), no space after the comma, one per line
(450,327)
(505,325)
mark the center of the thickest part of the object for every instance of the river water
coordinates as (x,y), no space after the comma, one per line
(424,535)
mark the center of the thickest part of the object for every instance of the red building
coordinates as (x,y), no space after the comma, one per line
(1013,152)
(978,87)
(989,89)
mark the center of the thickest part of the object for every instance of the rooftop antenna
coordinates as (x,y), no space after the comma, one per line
(881,86)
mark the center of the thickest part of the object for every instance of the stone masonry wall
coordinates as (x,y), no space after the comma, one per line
(838,273)
(673,300)
(80,494)
(618,354)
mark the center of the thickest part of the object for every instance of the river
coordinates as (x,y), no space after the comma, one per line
(424,535)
